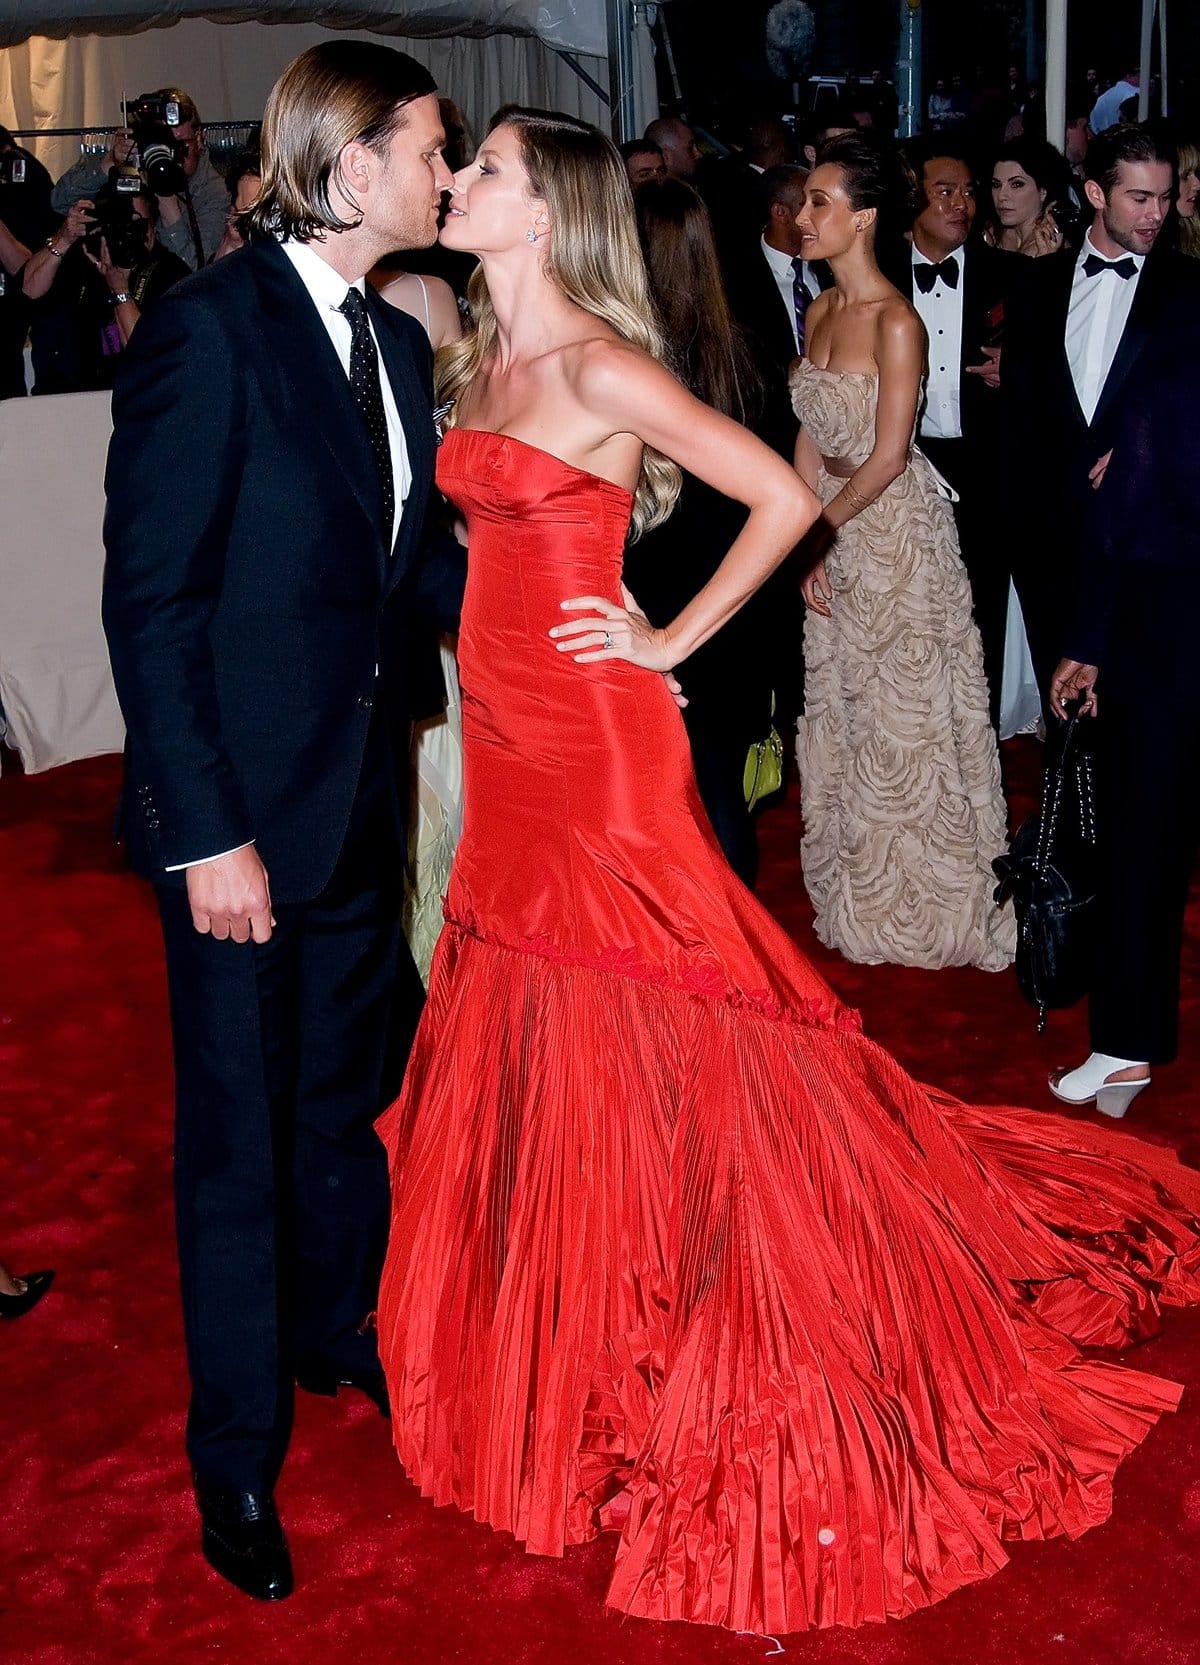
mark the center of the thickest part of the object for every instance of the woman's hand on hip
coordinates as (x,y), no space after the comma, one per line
(612,632)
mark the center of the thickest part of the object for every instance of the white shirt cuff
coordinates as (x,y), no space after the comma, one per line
(182,866)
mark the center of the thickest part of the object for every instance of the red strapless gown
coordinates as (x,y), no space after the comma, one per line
(669,1229)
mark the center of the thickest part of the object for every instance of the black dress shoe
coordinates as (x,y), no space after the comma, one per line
(243,1541)
(36,1285)
(318,1377)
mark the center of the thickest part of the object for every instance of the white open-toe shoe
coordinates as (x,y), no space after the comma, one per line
(1091,1083)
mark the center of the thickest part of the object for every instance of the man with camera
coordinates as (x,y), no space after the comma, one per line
(165,142)
(25,218)
(92,281)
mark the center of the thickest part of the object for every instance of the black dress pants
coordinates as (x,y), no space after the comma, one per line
(983,551)
(1148,817)
(285,1053)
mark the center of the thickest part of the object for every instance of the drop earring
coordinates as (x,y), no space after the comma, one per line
(531,235)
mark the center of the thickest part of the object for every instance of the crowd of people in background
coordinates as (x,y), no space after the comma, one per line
(1002,240)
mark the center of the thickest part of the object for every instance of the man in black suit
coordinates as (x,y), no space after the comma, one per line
(1073,337)
(768,281)
(262,615)
(960,288)
(1130,633)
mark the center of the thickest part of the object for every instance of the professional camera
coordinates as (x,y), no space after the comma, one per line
(117,221)
(152,119)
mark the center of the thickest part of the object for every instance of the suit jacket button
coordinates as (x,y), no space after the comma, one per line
(365,702)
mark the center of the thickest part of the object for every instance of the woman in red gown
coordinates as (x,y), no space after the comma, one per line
(676,1250)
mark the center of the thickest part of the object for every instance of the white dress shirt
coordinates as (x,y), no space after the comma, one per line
(941,312)
(327,290)
(1106,111)
(783,272)
(1096,318)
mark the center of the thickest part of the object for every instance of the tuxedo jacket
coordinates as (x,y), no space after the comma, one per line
(989,277)
(1042,415)
(257,619)
(1136,599)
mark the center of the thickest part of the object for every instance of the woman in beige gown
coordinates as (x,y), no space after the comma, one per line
(899,771)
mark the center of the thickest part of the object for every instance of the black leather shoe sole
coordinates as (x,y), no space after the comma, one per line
(327,1379)
(265,1577)
(243,1541)
(36,1285)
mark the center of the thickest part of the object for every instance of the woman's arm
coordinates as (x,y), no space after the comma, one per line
(900,355)
(635,397)
(444,318)
(807,460)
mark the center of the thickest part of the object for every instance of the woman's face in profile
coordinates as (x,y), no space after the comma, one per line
(491,209)
(1016,197)
(1189,190)
(825,220)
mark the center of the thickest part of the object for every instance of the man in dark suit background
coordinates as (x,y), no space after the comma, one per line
(1130,637)
(960,288)
(262,616)
(1073,337)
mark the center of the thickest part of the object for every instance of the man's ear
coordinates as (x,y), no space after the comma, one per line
(1093,192)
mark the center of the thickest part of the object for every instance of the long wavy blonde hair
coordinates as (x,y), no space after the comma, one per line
(595,260)
(1189,230)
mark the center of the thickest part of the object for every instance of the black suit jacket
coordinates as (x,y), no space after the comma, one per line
(989,277)
(1141,558)
(249,596)
(1042,411)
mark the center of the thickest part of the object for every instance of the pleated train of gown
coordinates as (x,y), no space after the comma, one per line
(675,1248)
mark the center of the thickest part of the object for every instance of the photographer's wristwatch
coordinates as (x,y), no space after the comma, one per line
(121,296)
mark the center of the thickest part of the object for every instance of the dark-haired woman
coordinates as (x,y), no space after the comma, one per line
(730,680)
(1028,190)
(899,772)
(675,1249)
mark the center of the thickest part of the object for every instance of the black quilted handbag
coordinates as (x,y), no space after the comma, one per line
(1050,875)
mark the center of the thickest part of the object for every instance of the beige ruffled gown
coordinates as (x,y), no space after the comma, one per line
(899,770)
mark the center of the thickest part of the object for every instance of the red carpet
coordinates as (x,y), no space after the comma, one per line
(97,1555)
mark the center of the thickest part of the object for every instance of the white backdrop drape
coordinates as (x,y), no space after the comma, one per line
(229,67)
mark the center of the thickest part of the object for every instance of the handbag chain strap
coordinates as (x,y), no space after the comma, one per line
(1055,779)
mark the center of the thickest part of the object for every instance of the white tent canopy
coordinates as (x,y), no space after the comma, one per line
(578,25)
(86,54)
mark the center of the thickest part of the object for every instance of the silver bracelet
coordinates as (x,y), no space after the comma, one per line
(57,253)
(121,297)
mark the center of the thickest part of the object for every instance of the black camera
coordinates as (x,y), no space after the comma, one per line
(117,221)
(152,120)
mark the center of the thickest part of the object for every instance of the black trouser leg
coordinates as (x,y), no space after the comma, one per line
(358,985)
(1147,824)
(719,759)
(282,1065)
(233,1012)
(983,555)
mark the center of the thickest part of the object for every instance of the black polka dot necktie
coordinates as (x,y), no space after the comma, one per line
(800,297)
(368,395)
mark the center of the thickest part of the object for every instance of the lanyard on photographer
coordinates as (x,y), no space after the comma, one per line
(195,225)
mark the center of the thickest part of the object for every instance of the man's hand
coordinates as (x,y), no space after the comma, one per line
(1098,470)
(116,277)
(989,371)
(120,149)
(79,217)
(1069,681)
(230,897)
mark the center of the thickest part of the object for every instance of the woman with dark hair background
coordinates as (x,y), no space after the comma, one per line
(899,770)
(730,680)
(1029,195)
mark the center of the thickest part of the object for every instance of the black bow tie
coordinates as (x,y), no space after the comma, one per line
(927,275)
(1094,264)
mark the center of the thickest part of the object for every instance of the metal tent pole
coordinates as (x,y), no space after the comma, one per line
(1056,71)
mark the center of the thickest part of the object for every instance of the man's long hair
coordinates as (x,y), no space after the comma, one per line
(327,98)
